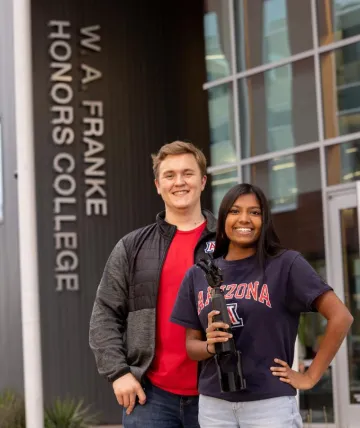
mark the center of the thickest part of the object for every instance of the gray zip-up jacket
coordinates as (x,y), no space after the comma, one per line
(123,321)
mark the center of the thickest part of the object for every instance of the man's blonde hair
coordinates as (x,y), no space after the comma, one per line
(178,148)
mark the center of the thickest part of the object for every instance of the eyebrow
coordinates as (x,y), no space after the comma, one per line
(237,206)
(167,171)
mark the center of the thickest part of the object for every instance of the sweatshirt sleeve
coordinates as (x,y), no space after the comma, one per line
(108,318)
(185,311)
(305,285)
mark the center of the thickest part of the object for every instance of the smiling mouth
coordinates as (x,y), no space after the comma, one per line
(180,192)
(243,230)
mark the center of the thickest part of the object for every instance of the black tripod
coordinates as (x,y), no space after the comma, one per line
(227,357)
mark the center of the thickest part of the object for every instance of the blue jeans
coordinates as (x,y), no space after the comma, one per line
(280,412)
(163,410)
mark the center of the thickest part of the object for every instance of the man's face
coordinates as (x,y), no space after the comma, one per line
(179,182)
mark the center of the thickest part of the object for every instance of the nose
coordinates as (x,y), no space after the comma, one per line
(179,180)
(244,218)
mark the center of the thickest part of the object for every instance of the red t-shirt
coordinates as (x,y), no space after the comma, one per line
(171,369)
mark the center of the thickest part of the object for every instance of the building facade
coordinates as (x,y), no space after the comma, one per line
(282,84)
(269,89)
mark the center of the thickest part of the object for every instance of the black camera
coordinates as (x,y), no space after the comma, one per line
(227,357)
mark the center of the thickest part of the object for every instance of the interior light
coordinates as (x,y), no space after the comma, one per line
(283,166)
(352,150)
(210,57)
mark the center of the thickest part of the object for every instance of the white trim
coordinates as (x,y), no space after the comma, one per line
(358,207)
(236,117)
(280,153)
(29,277)
(342,139)
(333,191)
(221,168)
(338,44)
(344,411)
(290,59)
(349,111)
(260,69)
(287,152)
(232,36)
(218,82)
(236,120)
(345,86)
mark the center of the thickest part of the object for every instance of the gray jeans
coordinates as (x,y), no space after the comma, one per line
(280,412)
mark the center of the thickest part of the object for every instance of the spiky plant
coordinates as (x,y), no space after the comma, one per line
(69,413)
(12,410)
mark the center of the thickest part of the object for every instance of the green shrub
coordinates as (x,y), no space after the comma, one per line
(12,410)
(66,413)
(69,413)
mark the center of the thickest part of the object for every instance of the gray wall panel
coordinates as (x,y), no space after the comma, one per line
(11,372)
(152,60)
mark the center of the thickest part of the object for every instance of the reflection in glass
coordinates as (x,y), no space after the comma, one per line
(279,179)
(343,163)
(351,263)
(337,20)
(340,71)
(317,404)
(278,109)
(221,182)
(222,143)
(217,39)
(1,180)
(293,187)
(270,30)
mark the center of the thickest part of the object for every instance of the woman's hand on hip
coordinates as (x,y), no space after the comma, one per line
(287,375)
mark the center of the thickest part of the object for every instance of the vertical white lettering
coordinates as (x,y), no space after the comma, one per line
(92,38)
(60,26)
(90,74)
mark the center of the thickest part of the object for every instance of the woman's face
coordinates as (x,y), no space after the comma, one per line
(243,222)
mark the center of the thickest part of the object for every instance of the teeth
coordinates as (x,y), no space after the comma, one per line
(243,229)
(180,192)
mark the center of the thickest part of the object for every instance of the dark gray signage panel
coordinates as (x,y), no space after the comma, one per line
(113,81)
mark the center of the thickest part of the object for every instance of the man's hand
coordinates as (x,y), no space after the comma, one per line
(126,388)
(298,380)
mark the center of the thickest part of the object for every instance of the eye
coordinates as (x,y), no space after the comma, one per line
(169,176)
(188,174)
(255,212)
(234,211)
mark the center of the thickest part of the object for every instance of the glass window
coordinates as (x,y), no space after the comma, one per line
(340,72)
(337,20)
(351,281)
(221,182)
(316,404)
(217,39)
(278,109)
(222,143)
(270,30)
(293,187)
(343,162)
(1,180)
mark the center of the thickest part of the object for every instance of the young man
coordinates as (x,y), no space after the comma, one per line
(135,345)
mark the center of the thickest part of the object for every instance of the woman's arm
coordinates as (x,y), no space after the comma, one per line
(199,349)
(339,322)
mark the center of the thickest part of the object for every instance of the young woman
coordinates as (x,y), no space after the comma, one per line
(266,288)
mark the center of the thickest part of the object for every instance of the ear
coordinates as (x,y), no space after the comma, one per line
(203,182)
(157,185)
